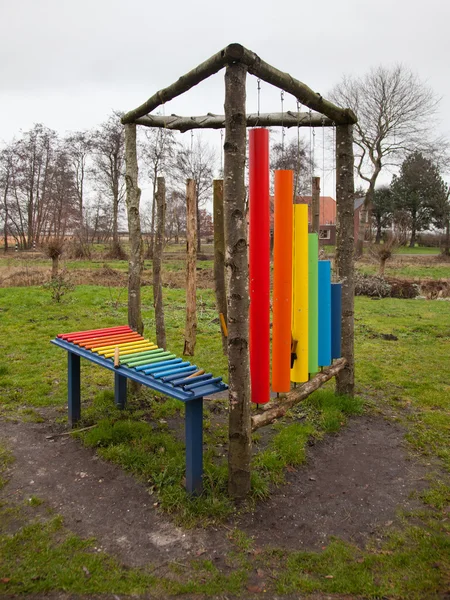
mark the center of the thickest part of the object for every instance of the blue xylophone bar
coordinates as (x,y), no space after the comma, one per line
(187,369)
(150,368)
(186,380)
(192,386)
(184,372)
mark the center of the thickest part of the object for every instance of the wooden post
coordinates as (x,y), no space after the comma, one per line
(315,205)
(190,332)
(236,262)
(345,190)
(157,262)
(219,255)
(135,263)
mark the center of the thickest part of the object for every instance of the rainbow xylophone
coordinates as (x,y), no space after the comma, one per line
(131,356)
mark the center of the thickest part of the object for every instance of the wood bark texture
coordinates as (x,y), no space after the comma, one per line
(315,205)
(237,54)
(219,254)
(183,84)
(212,121)
(135,264)
(190,331)
(157,262)
(273,411)
(345,193)
(236,263)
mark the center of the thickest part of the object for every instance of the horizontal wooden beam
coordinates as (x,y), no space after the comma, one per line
(212,121)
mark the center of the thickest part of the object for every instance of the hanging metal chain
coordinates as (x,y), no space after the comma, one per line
(297,175)
(221,154)
(282,126)
(259,95)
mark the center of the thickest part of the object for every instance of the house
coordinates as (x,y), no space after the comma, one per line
(327,217)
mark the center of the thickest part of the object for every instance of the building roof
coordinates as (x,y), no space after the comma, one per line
(358,203)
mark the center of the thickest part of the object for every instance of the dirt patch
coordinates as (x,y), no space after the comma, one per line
(351,487)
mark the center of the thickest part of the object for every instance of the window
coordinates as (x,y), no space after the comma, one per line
(324,234)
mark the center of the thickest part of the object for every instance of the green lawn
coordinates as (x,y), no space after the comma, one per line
(408,378)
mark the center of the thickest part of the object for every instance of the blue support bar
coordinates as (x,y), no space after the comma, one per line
(194,445)
(336,317)
(120,390)
(324,313)
(74,395)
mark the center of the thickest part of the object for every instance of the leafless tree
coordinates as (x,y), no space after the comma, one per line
(196,161)
(158,152)
(396,115)
(79,148)
(109,159)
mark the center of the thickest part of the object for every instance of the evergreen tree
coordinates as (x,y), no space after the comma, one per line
(417,191)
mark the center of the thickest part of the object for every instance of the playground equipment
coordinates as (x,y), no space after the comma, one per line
(131,356)
(239,62)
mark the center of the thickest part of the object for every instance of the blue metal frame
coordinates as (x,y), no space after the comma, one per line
(192,396)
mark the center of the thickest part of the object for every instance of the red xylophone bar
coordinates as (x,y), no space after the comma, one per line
(102,342)
(93,332)
(97,336)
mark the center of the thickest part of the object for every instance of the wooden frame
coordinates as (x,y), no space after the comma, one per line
(238,61)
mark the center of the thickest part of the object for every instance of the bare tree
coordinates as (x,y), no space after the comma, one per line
(294,156)
(79,148)
(396,113)
(197,162)
(158,152)
(6,167)
(109,159)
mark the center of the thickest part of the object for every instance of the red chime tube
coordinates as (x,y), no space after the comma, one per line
(259,265)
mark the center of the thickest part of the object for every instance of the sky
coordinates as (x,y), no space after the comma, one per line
(69,63)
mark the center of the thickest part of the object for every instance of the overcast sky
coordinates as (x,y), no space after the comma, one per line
(69,63)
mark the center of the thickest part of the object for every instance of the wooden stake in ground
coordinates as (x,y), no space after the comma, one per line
(345,193)
(135,263)
(157,262)
(219,256)
(236,263)
(315,205)
(190,331)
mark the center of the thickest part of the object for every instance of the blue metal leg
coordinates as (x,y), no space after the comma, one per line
(74,397)
(120,390)
(194,445)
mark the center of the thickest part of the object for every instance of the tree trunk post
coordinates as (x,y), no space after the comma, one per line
(447,238)
(157,262)
(219,254)
(190,332)
(135,263)
(315,205)
(236,262)
(345,190)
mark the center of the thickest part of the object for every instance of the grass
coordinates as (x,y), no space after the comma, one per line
(407,379)
(408,271)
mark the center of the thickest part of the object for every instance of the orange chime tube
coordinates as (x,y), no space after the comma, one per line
(259,265)
(282,282)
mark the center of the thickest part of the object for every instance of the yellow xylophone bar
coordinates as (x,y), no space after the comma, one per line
(299,371)
(135,347)
(127,351)
(121,345)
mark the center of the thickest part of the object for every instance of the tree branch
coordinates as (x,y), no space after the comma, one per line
(278,410)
